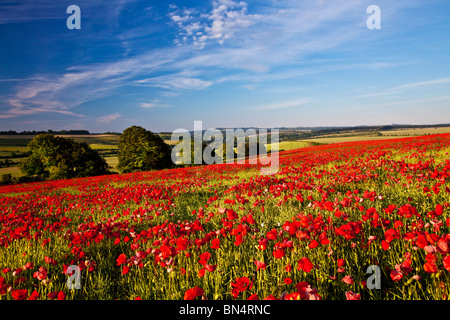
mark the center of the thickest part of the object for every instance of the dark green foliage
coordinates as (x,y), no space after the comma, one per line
(55,157)
(142,150)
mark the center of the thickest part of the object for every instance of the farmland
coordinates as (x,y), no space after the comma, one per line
(14,147)
(225,232)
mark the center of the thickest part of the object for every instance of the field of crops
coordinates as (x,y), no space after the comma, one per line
(226,232)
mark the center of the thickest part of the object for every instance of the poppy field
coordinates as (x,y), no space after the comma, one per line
(226,232)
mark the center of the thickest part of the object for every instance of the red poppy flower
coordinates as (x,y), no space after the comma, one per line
(204,257)
(260,265)
(396,275)
(305,265)
(215,243)
(442,246)
(193,293)
(272,234)
(210,268)
(262,244)
(52,295)
(19,294)
(242,284)
(125,269)
(239,240)
(348,280)
(446,262)
(50,260)
(61,295)
(121,259)
(313,244)
(421,241)
(279,253)
(34,295)
(350,295)
(293,296)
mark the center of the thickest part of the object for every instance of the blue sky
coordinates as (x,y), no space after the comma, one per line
(268,63)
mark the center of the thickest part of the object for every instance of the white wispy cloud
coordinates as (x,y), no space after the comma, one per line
(108,118)
(424,83)
(405,87)
(154,105)
(410,102)
(283,105)
(175,82)
(79,84)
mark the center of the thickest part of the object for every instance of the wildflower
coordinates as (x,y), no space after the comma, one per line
(193,293)
(305,265)
(279,253)
(34,295)
(19,294)
(125,269)
(260,265)
(396,275)
(350,295)
(348,280)
(121,259)
(215,243)
(61,295)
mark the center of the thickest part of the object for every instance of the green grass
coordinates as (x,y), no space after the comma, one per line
(416,132)
(112,162)
(291,145)
(97,146)
(14,171)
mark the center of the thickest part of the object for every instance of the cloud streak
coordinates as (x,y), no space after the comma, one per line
(283,105)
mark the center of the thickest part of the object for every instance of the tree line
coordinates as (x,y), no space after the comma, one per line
(34,132)
(52,157)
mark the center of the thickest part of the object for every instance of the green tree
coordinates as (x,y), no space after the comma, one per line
(53,157)
(141,150)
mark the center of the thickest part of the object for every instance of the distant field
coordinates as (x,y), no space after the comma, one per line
(112,162)
(96,139)
(337,139)
(107,144)
(5,151)
(291,145)
(14,171)
(97,146)
(391,134)
(416,132)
